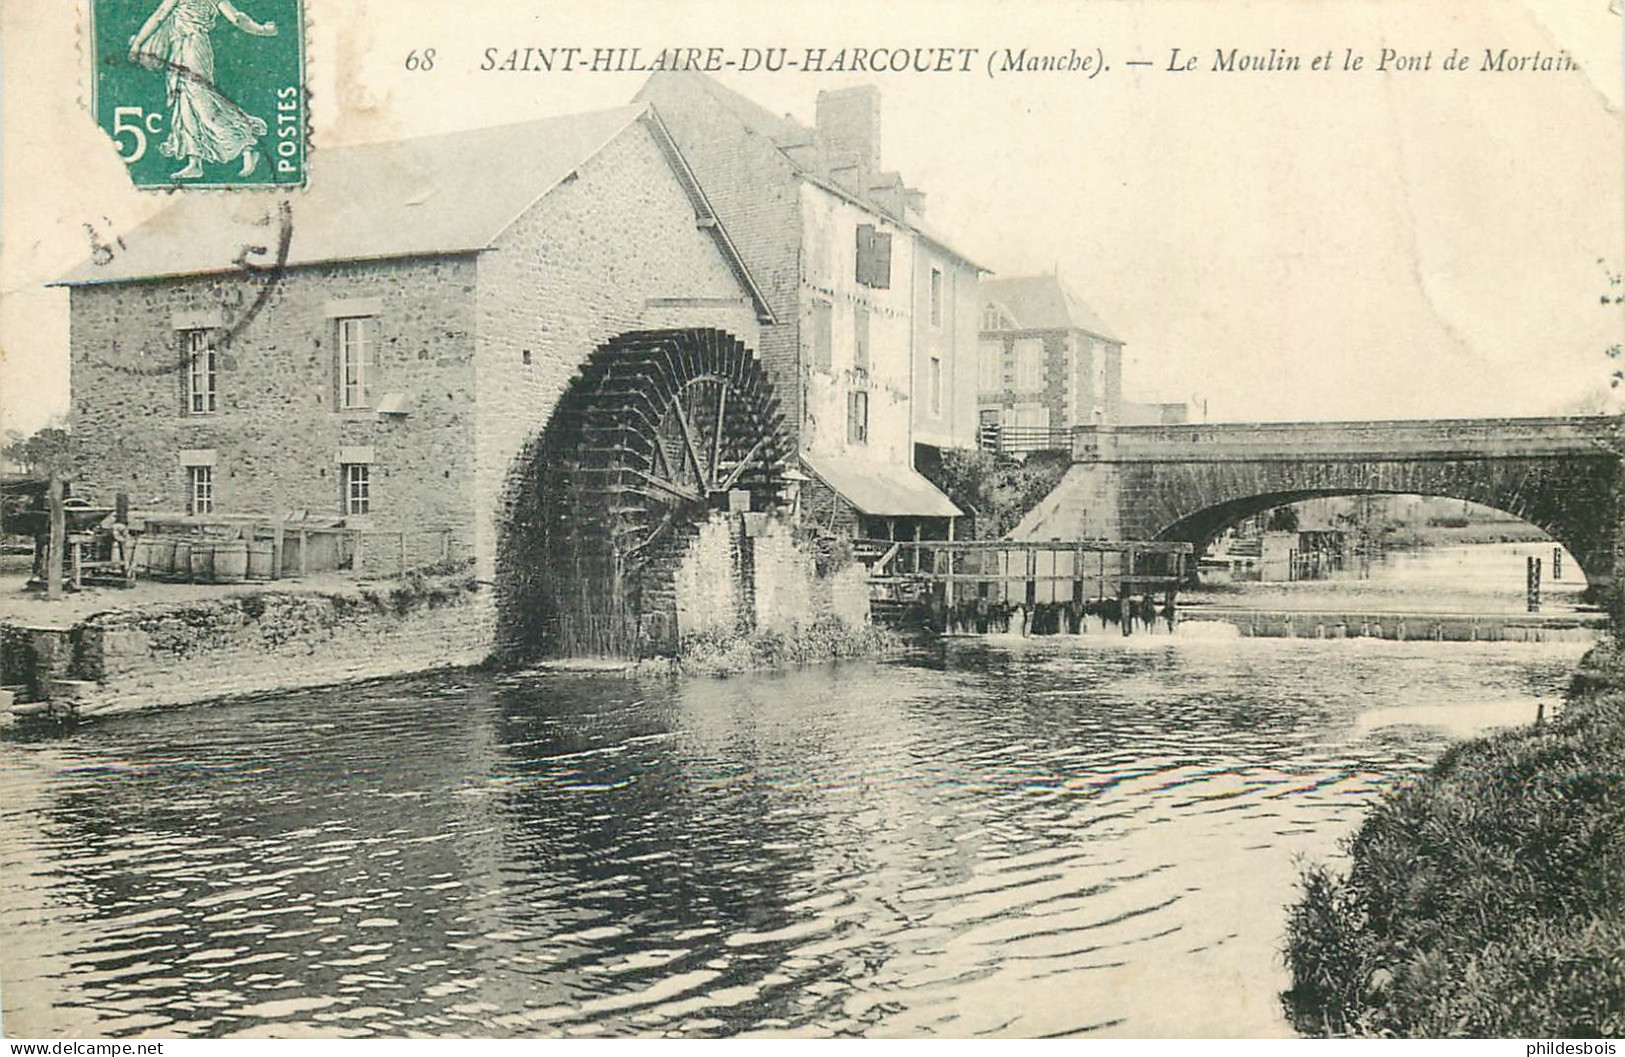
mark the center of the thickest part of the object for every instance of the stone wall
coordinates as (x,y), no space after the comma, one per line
(616,248)
(706,583)
(735,579)
(170,654)
(755,192)
(276,433)
(1069,377)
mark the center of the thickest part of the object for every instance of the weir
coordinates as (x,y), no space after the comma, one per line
(948,584)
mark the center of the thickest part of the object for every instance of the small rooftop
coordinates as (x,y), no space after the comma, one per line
(1042,302)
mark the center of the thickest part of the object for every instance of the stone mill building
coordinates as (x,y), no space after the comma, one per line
(619,361)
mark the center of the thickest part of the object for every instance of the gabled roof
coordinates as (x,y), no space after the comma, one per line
(441,194)
(785,134)
(1042,302)
(437,195)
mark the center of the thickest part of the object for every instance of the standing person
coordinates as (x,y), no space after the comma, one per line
(203,124)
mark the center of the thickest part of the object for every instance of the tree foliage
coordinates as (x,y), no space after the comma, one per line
(998,491)
(49,450)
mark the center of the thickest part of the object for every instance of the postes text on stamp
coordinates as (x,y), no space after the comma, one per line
(202,93)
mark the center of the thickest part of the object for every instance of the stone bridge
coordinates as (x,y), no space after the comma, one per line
(1187,482)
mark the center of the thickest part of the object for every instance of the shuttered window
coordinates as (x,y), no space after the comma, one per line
(860,338)
(356,362)
(1029,365)
(990,366)
(821,336)
(874,257)
(857,417)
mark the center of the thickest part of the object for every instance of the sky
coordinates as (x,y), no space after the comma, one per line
(1309,245)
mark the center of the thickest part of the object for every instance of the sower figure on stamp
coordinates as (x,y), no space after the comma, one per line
(203,124)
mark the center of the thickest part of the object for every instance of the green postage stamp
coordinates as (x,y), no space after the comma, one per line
(202,93)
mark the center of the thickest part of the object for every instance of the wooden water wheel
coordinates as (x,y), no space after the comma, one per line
(660,430)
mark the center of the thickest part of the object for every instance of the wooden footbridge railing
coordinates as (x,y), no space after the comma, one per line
(943,579)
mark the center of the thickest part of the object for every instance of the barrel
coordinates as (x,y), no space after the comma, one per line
(183,559)
(143,554)
(202,561)
(163,557)
(260,555)
(230,561)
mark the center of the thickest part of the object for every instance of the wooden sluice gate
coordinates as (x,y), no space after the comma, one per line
(1051,586)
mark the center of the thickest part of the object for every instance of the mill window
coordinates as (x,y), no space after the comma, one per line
(357,477)
(199,490)
(356,361)
(202,372)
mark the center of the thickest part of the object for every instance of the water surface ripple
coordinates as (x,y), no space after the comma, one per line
(1053,837)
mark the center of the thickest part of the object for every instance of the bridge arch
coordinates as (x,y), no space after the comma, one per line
(1570,499)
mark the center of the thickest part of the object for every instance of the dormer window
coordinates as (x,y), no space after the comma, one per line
(996,318)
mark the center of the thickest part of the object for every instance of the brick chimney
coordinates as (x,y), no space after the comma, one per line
(849,128)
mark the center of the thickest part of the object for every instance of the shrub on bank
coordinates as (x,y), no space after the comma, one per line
(1485,899)
(825,639)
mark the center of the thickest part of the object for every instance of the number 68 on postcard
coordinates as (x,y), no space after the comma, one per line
(202,93)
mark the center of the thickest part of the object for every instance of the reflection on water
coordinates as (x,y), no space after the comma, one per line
(1026,838)
(1480,579)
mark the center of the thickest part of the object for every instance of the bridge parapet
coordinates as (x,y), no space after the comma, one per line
(1369,440)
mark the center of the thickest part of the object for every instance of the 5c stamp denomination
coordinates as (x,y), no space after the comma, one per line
(202,93)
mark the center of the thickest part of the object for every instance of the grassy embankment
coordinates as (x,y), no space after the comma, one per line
(1486,898)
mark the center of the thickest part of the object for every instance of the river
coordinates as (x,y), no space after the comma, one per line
(1092,835)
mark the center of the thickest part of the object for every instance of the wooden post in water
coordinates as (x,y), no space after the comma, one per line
(1557,564)
(58,538)
(1125,592)
(1533,569)
(1173,588)
(948,587)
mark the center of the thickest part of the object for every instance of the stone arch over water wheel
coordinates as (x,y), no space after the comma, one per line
(660,430)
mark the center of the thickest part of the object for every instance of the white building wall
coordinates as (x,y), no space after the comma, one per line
(829,249)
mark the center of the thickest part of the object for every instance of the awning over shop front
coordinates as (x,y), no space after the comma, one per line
(881,489)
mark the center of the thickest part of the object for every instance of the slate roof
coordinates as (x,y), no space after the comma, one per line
(432,195)
(1042,302)
(785,132)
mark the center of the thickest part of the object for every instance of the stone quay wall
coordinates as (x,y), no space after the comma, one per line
(151,656)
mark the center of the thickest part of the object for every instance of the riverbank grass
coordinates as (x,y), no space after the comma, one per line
(1485,899)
